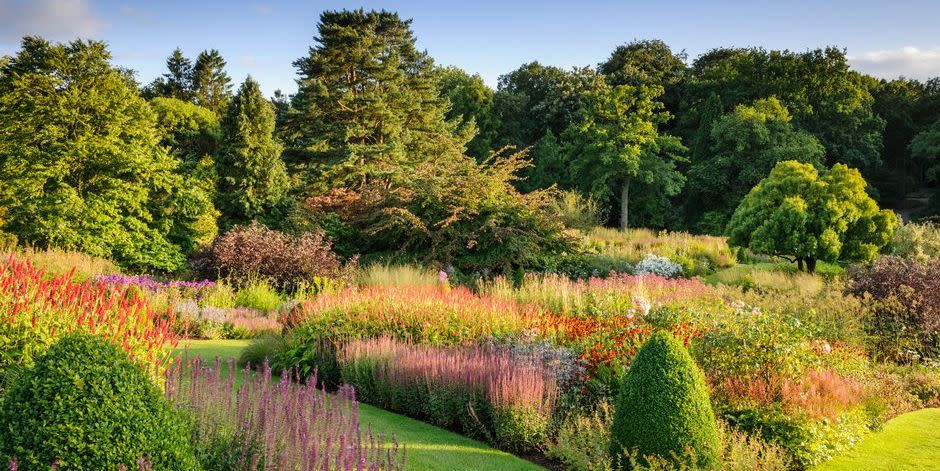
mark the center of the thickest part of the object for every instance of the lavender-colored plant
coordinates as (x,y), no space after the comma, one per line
(264,424)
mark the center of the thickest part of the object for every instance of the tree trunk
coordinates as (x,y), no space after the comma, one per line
(811,265)
(799,264)
(625,205)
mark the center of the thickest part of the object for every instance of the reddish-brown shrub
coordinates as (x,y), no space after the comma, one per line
(247,252)
(905,293)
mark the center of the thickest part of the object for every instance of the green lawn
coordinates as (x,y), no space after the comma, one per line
(907,442)
(427,447)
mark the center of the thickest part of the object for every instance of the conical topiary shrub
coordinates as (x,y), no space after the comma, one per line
(663,408)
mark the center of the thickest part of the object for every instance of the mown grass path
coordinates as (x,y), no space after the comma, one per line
(910,442)
(428,448)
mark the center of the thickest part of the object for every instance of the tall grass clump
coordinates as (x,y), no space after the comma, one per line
(36,310)
(483,390)
(55,261)
(264,424)
(422,314)
(698,254)
(258,294)
(599,297)
(397,276)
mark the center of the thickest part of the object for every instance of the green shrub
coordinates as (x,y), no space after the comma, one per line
(808,441)
(582,442)
(87,405)
(918,241)
(258,294)
(663,408)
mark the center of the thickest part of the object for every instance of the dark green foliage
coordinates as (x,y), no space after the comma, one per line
(535,99)
(925,152)
(81,164)
(471,103)
(663,409)
(252,176)
(825,98)
(744,146)
(367,107)
(87,405)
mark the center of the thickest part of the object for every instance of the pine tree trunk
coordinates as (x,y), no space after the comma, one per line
(799,264)
(625,205)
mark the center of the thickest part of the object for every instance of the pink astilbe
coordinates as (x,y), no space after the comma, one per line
(503,379)
(282,425)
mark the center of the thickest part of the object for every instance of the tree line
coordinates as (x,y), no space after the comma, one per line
(389,153)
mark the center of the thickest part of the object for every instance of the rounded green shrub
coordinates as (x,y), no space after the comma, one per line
(85,404)
(663,409)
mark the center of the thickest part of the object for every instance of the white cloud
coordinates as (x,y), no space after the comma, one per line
(52,19)
(909,61)
(263,8)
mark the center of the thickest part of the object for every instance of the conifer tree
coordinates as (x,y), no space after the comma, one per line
(211,85)
(179,78)
(252,176)
(367,107)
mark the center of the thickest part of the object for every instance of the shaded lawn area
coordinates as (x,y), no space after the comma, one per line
(427,447)
(907,442)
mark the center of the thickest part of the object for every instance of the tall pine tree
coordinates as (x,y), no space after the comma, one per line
(211,85)
(179,78)
(252,176)
(367,107)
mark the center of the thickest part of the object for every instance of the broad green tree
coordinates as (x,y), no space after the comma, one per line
(824,97)
(615,141)
(650,63)
(471,104)
(81,165)
(252,176)
(744,146)
(534,99)
(367,107)
(806,215)
(191,133)
(211,85)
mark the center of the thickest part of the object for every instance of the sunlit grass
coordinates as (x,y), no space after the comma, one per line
(908,442)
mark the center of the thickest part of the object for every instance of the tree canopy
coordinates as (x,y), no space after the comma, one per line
(806,214)
(252,176)
(81,164)
(743,146)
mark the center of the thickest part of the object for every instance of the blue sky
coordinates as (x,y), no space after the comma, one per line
(263,38)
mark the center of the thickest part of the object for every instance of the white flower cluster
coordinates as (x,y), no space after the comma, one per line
(656,265)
